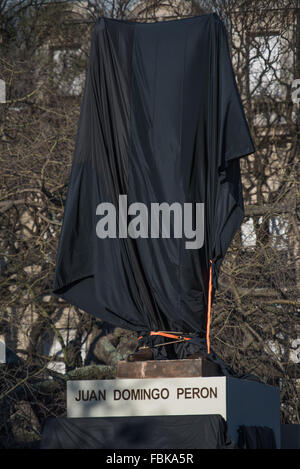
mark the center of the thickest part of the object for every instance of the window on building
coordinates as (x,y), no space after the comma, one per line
(248,234)
(264,65)
(277,228)
(68,71)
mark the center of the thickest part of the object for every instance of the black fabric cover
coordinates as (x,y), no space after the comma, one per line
(161,121)
(253,437)
(185,432)
(290,436)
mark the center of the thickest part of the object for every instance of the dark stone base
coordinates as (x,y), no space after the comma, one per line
(167,369)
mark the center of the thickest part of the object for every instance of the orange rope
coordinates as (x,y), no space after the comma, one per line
(164,334)
(173,336)
(209,308)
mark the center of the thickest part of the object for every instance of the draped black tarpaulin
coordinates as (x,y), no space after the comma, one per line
(172,431)
(161,121)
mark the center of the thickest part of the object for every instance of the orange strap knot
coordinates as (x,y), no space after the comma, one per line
(166,334)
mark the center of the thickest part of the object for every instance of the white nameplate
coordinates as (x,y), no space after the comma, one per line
(151,396)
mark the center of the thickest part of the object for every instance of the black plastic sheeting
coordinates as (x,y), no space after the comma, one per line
(161,122)
(159,432)
(253,437)
(185,432)
(290,436)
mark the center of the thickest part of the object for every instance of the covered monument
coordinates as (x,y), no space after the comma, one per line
(161,122)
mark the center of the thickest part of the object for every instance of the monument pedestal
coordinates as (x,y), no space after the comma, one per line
(167,369)
(146,393)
